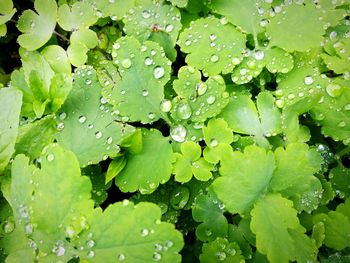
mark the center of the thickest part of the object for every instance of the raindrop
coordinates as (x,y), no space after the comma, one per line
(90,243)
(88,81)
(98,134)
(126,63)
(169,28)
(103,100)
(58,248)
(62,115)
(214,58)
(90,126)
(151,115)
(178,133)
(158,247)
(60,126)
(91,254)
(188,42)
(211,100)
(145,93)
(220,255)
(342,124)
(116,46)
(121,257)
(179,198)
(259,54)
(158,72)
(28,228)
(214,143)
(146,14)
(308,80)
(8,227)
(201,88)
(50,157)
(212,37)
(236,61)
(144,232)
(23,211)
(347,107)
(148,61)
(334,90)
(109,140)
(184,111)
(70,231)
(126,202)
(82,119)
(157,256)
(169,243)
(165,105)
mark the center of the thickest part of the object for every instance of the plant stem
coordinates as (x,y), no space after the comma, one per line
(61,36)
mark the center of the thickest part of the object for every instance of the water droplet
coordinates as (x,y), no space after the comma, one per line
(212,37)
(58,248)
(347,107)
(144,232)
(116,46)
(259,54)
(50,157)
(220,255)
(90,126)
(70,231)
(169,28)
(342,124)
(8,227)
(145,93)
(280,103)
(82,119)
(148,61)
(213,143)
(23,211)
(88,82)
(211,100)
(158,72)
(103,100)
(151,115)
(334,90)
(146,14)
(165,105)
(179,198)
(158,247)
(235,61)
(308,80)
(60,126)
(28,229)
(126,202)
(109,140)
(157,256)
(121,257)
(126,63)
(91,254)
(90,243)
(214,58)
(62,115)
(184,111)
(169,243)
(201,88)
(178,133)
(98,134)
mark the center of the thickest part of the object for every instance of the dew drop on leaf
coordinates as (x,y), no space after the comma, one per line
(146,14)
(342,124)
(50,157)
(201,88)
(98,135)
(60,126)
(62,115)
(334,90)
(184,111)
(126,63)
(179,198)
(90,243)
(308,80)
(145,93)
(211,100)
(144,232)
(347,107)
(178,133)
(8,227)
(158,72)
(169,28)
(82,119)
(121,257)
(109,140)
(157,256)
(165,105)
(259,54)
(90,126)
(91,254)
(214,58)
(220,255)
(151,115)
(213,143)
(148,61)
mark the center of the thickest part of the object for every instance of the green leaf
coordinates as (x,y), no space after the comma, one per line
(337,60)
(242,117)
(152,17)
(34,136)
(275,214)
(295,167)
(68,226)
(37,28)
(89,129)
(337,225)
(221,250)
(147,179)
(303,25)
(133,97)
(212,45)
(115,167)
(10,108)
(80,15)
(6,13)
(340,179)
(190,163)
(244,178)
(115,9)
(218,138)
(179,3)
(208,210)
(57,58)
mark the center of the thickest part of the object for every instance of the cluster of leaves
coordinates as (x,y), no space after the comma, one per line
(179,130)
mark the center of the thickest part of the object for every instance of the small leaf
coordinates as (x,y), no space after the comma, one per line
(115,167)
(37,28)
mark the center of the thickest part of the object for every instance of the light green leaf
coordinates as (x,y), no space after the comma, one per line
(77,53)
(179,3)
(244,178)
(242,117)
(303,25)
(221,250)
(115,9)
(150,17)
(156,152)
(89,129)
(337,60)
(10,108)
(212,46)
(198,100)
(143,71)
(208,210)
(6,13)
(80,15)
(275,214)
(37,28)
(190,163)
(57,58)
(57,215)
(340,179)
(115,167)
(246,15)
(337,231)
(34,136)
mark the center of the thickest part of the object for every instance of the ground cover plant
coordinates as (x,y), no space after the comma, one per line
(175,131)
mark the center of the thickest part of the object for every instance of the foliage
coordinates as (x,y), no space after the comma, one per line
(174,131)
